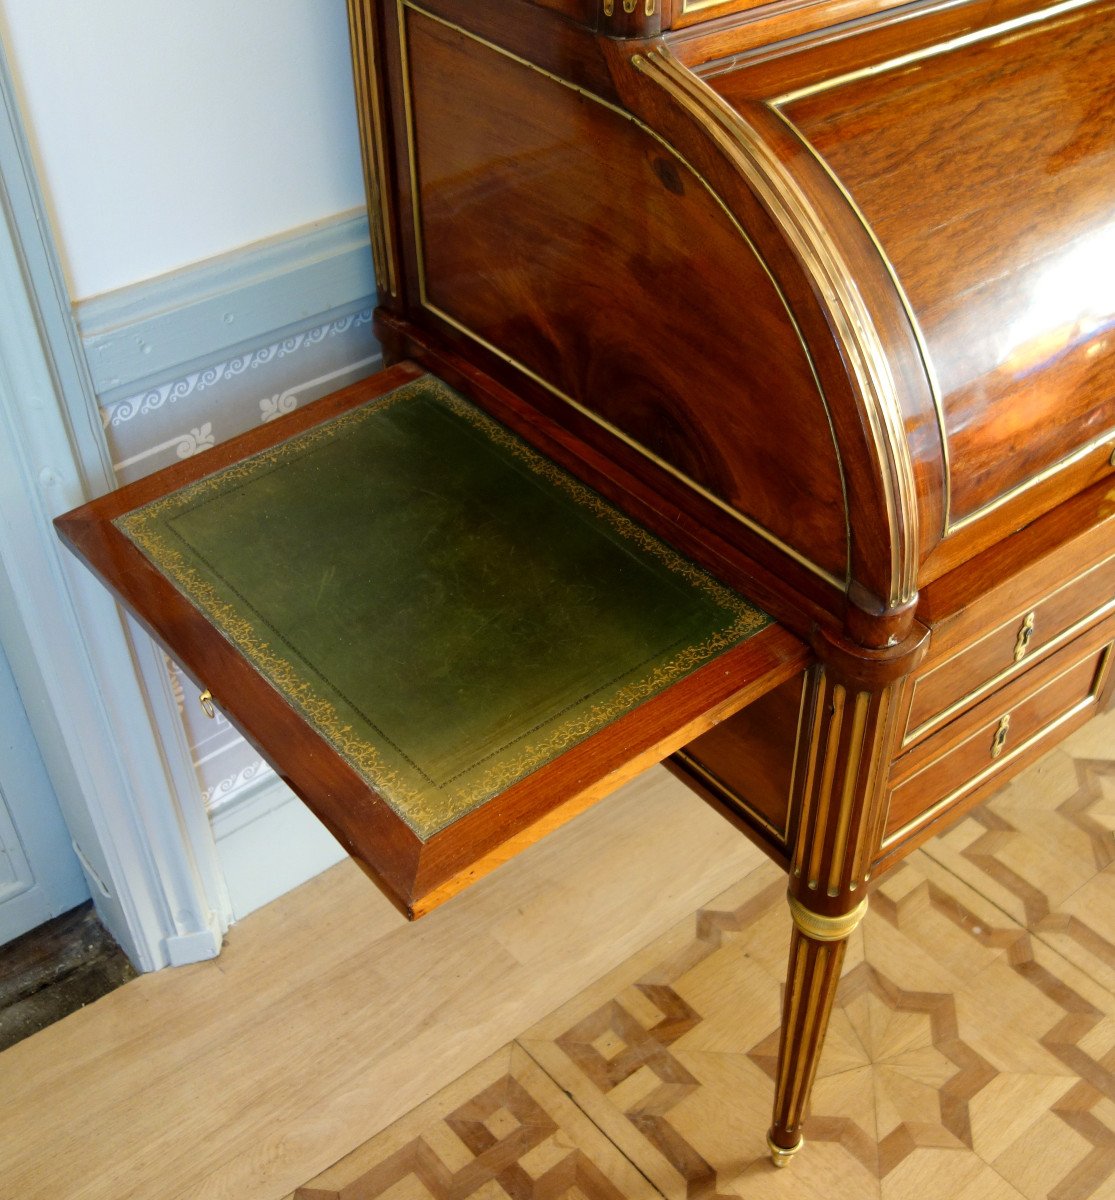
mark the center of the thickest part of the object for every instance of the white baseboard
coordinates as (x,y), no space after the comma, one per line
(269,842)
(146,334)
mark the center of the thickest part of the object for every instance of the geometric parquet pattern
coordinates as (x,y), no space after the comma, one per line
(971,1054)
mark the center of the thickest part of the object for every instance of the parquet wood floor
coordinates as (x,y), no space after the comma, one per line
(597,1021)
(971,1055)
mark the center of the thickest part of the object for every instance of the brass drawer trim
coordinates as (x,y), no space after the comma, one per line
(997,765)
(1017,667)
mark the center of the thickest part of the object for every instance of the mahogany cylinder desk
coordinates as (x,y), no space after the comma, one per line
(753,409)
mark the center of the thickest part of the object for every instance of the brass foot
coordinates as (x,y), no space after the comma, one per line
(781,1156)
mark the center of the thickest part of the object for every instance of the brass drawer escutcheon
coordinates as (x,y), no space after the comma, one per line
(1025,633)
(999,741)
(207,705)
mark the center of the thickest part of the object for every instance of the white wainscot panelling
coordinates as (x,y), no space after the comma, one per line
(267,842)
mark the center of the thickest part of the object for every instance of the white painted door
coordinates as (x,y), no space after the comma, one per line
(40,876)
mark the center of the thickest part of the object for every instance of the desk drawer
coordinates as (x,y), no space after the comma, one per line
(982,746)
(944,688)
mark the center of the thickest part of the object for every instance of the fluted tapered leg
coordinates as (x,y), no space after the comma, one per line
(839,814)
(815,964)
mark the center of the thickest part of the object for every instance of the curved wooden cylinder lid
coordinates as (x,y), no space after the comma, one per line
(979,164)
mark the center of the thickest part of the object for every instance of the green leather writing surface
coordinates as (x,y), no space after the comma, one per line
(445,606)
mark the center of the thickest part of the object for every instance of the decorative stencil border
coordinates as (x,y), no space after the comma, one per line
(141,403)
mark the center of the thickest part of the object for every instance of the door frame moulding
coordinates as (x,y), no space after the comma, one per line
(94,685)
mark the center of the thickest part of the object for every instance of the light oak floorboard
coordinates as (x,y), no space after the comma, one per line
(328,1016)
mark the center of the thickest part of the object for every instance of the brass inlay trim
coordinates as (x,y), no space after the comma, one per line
(779,1155)
(372,144)
(819,928)
(916,56)
(141,526)
(749,523)
(865,849)
(1014,669)
(1062,464)
(807,232)
(1104,671)
(692,6)
(797,977)
(777,103)
(848,795)
(797,1091)
(819,691)
(824,795)
(729,794)
(925,817)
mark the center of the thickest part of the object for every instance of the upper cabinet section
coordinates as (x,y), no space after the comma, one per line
(841,299)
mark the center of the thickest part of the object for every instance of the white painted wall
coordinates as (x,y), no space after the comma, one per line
(168,131)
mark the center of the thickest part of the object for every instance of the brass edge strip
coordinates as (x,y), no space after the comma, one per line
(807,792)
(797,976)
(797,750)
(817,981)
(730,795)
(820,928)
(925,817)
(865,851)
(1017,668)
(824,794)
(742,518)
(372,145)
(915,56)
(856,334)
(692,6)
(746,521)
(848,794)
(927,363)
(412,158)
(1062,464)
(1100,681)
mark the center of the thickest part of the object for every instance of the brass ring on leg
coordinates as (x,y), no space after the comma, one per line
(780,1155)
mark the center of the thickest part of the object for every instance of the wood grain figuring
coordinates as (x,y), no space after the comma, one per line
(525,248)
(1013,305)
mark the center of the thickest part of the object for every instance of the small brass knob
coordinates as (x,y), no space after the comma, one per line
(207,705)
